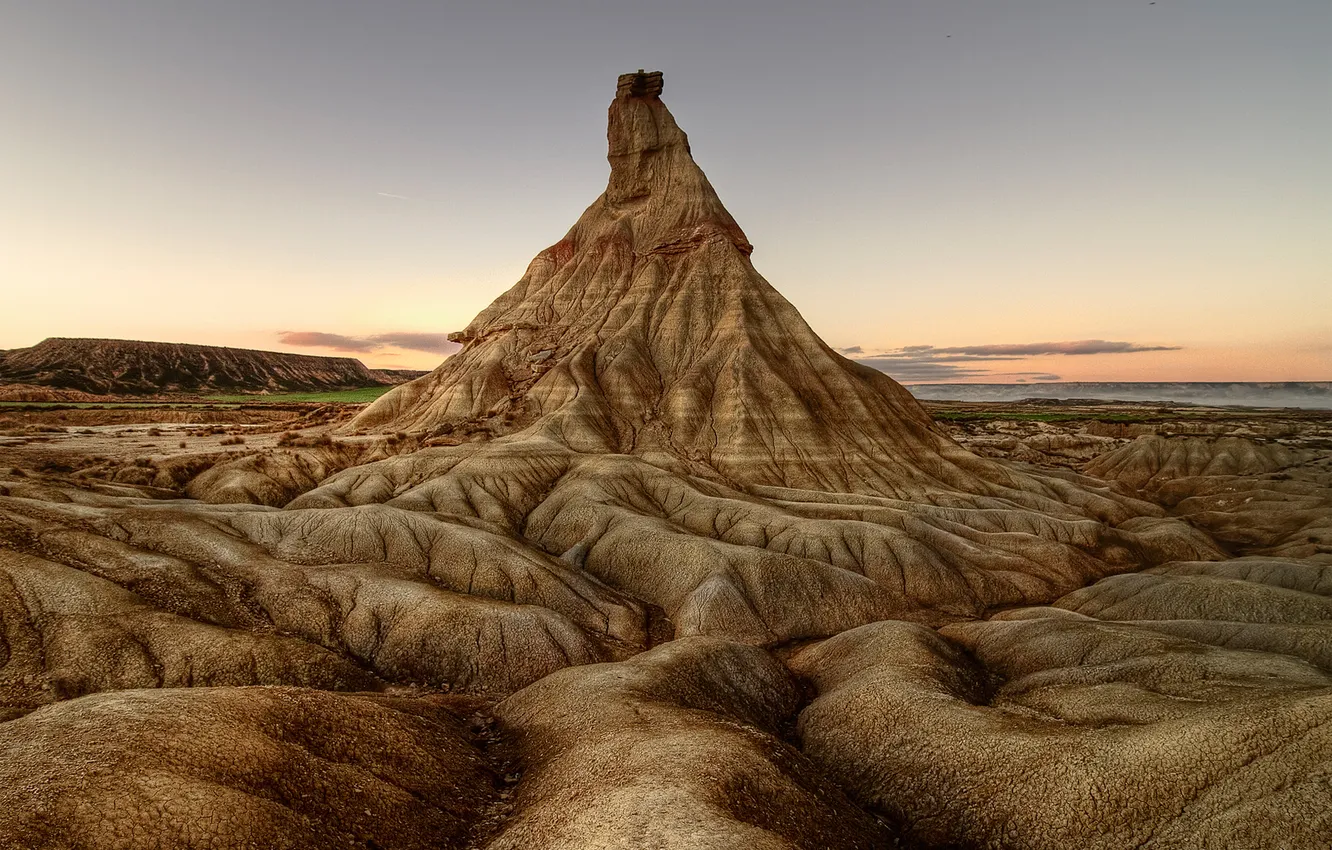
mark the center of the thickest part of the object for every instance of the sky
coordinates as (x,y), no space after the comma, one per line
(976,190)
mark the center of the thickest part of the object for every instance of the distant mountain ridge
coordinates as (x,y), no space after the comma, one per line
(1306,394)
(131,367)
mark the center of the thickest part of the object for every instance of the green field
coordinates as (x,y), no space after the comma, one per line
(360,396)
(115,405)
(974,416)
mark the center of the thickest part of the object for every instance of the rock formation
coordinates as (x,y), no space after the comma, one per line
(126,367)
(647,331)
(643,391)
(646,564)
(1255,498)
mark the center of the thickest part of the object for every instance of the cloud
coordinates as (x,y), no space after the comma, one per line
(926,363)
(924,371)
(395,196)
(414,341)
(931,372)
(1027,349)
(319,339)
(433,343)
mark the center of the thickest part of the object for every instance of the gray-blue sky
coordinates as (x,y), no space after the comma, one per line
(912,173)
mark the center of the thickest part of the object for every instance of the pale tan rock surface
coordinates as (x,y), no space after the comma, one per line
(451,607)
(689,579)
(676,748)
(645,403)
(210,768)
(1068,733)
(1256,498)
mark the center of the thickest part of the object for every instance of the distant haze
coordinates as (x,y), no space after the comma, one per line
(948,190)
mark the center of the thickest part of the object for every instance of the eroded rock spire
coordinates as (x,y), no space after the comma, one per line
(655,185)
(647,330)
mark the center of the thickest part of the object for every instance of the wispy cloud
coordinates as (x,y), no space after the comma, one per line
(412,198)
(905,368)
(1027,349)
(433,343)
(411,340)
(929,371)
(319,339)
(926,363)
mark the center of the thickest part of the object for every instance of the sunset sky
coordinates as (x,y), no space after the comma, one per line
(949,189)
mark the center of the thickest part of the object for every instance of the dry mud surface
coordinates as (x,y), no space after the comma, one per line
(648,565)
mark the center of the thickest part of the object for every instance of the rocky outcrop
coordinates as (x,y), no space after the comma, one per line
(103,593)
(1150,462)
(1258,498)
(243,767)
(1047,730)
(677,748)
(127,367)
(644,403)
(646,330)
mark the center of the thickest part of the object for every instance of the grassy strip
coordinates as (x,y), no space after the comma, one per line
(358,396)
(363,395)
(981,416)
(112,405)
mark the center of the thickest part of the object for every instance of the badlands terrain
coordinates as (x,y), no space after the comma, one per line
(648,565)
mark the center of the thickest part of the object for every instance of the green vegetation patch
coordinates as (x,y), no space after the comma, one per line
(110,405)
(363,395)
(981,416)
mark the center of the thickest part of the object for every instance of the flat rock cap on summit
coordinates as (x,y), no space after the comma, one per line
(639,84)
